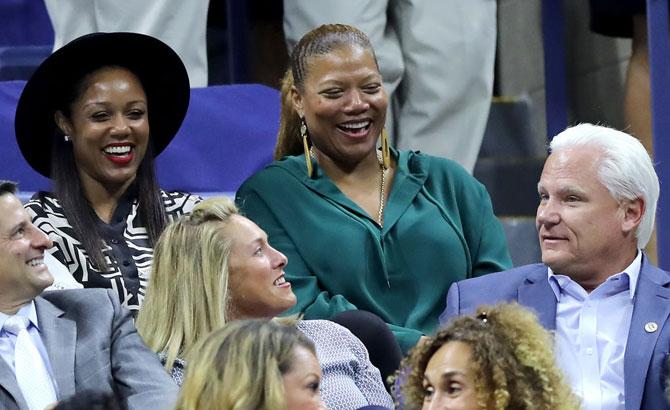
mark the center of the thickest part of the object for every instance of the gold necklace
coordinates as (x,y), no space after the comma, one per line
(382,190)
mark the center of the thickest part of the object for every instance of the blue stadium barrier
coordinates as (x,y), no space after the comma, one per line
(228,134)
(26,37)
(25,23)
(555,76)
(659,67)
(237,22)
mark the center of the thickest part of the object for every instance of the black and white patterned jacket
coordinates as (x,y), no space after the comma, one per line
(126,249)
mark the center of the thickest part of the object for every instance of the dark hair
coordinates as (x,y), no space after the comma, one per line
(68,189)
(322,40)
(8,187)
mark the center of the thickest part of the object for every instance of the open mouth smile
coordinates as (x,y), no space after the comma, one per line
(355,128)
(36,262)
(121,153)
(281,282)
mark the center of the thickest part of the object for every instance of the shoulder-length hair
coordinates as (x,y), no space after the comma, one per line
(240,366)
(187,294)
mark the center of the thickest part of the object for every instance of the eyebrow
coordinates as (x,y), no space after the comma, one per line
(16,227)
(369,77)
(451,373)
(446,375)
(259,240)
(570,189)
(313,375)
(108,102)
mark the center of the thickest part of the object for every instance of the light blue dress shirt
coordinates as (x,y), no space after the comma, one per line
(591,335)
(8,340)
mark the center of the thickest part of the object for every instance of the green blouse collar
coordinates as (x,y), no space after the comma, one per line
(410,176)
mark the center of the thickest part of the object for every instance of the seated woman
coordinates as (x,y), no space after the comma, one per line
(499,359)
(216,266)
(382,231)
(253,364)
(92,118)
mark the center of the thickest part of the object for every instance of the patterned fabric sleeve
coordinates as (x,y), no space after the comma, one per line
(126,246)
(47,214)
(179,203)
(178,368)
(349,379)
(367,378)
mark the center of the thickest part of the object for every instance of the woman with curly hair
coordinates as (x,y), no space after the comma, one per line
(499,359)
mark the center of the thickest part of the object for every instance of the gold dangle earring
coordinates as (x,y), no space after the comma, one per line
(305,145)
(386,150)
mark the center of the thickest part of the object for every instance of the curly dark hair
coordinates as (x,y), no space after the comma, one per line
(512,356)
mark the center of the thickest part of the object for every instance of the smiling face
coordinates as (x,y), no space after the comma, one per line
(256,280)
(584,232)
(108,127)
(302,381)
(449,382)
(23,274)
(343,103)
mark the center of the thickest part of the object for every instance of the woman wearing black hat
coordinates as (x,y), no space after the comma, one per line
(92,118)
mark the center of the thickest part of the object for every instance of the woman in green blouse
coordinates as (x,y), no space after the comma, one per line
(377,230)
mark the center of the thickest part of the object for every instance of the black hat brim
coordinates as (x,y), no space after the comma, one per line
(158,67)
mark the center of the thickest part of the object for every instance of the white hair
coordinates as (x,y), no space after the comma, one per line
(625,168)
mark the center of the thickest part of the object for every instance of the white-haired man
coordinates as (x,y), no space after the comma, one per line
(64,342)
(595,288)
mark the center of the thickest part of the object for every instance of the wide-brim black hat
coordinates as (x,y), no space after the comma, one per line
(159,68)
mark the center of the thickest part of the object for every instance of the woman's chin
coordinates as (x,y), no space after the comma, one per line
(287,303)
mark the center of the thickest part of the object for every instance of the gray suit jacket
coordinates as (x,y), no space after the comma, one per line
(93,345)
(646,352)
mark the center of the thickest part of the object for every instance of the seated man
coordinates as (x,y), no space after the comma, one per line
(63,342)
(607,304)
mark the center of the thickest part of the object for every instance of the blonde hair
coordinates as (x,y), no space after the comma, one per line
(322,40)
(512,356)
(240,366)
(187,293)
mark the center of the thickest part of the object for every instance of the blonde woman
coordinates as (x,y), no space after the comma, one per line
(499,359)
(253,364)
(216,266)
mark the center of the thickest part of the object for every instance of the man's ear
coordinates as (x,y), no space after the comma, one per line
(633,211)
(296,99)
(63,123)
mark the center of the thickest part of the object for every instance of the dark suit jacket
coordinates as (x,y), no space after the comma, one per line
(645,351)
(93,345)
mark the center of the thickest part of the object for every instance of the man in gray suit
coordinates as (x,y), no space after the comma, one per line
(72,340)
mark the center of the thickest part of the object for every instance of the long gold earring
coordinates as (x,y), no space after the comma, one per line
(305,145)
(386,151)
